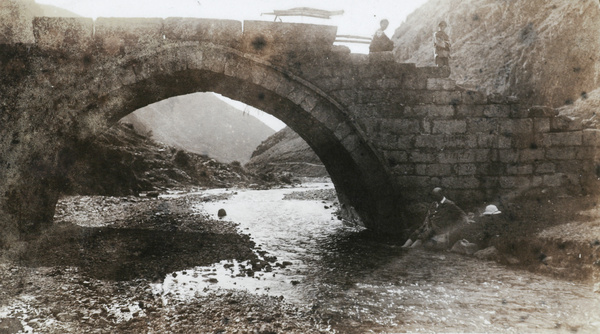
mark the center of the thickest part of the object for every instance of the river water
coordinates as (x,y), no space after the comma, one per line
(372,286)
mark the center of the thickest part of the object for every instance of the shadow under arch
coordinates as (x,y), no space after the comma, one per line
(358,173)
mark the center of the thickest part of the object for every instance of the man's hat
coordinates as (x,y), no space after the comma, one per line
(491,210)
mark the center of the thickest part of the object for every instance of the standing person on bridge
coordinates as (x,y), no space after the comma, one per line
(380,41)
(441,43)
(442,219)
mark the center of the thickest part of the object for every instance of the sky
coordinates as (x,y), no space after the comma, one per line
(360,18)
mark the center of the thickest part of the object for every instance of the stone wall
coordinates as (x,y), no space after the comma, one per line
(431,132)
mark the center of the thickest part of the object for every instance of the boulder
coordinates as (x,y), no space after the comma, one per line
(65,317)
(489,254)
(221,213)
(464,247)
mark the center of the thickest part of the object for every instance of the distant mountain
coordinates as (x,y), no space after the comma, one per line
(202,123)
(284,152)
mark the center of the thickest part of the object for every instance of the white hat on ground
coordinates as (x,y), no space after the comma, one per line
(491,210)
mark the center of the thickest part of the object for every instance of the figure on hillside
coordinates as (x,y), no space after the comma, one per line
(441,43)
(380,41)
(442,220)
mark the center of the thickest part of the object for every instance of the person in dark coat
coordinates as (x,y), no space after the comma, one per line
(442,219)
(380,41)
(441,43)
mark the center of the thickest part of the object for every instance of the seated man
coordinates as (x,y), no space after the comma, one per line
(380,41)
(442,219)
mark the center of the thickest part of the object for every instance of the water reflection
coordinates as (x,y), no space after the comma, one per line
(360,284)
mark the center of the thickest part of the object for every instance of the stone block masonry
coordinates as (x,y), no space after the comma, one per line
(432,132)
(456,149)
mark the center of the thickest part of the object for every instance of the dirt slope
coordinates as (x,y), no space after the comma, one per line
(285,151)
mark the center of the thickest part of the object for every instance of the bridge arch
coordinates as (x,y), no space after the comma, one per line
(382,128)
(360,177)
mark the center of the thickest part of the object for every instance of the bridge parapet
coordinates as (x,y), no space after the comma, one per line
(66,35)
(269,40)
(222,32)
(282,43)
(303,49)
(125,35)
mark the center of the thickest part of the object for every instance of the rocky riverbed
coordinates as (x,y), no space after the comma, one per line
(93,272)
(67,300)
(101,267)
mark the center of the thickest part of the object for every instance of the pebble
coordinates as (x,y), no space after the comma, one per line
(65,317)
(489,254)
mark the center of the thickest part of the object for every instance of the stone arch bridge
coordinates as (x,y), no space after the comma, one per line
(387,132)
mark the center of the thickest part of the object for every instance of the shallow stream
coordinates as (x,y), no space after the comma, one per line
(371,286)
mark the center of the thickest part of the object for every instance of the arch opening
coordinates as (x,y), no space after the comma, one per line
(200,140)
(361,181)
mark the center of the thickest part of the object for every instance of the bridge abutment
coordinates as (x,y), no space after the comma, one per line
(33,177)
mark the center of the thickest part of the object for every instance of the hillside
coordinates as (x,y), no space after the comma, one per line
(203,124)
(543,51)
(285,151)
(122,162)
